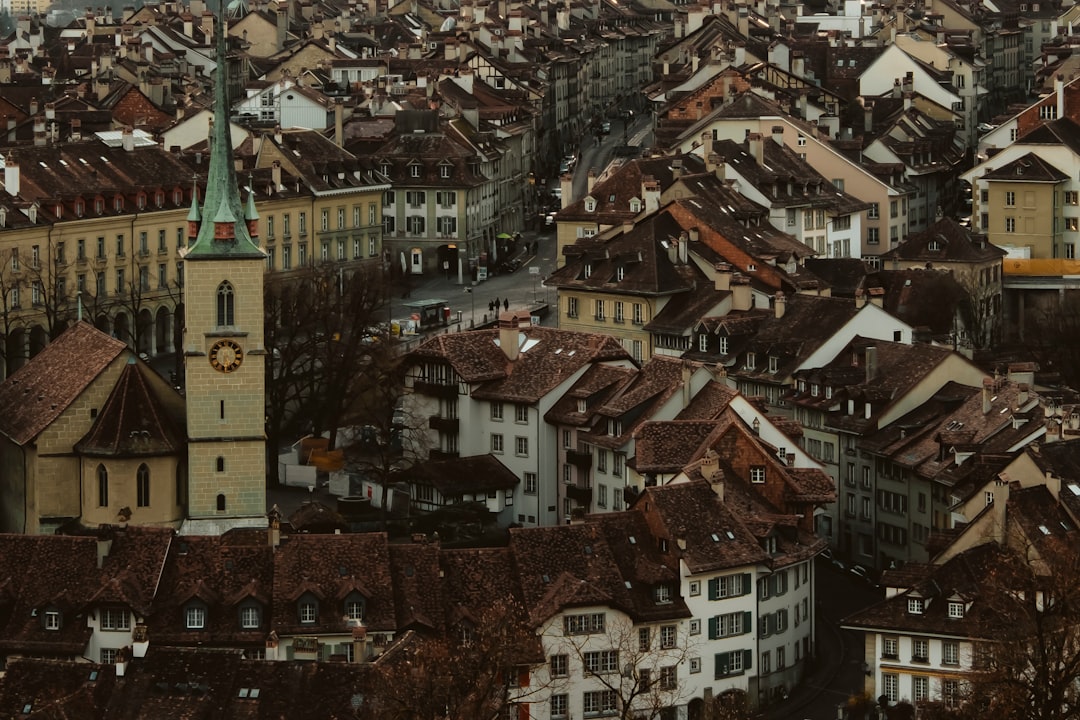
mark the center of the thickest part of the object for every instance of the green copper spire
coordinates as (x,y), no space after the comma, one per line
(222,233)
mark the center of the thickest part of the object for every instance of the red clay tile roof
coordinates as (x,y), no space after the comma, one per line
(463,476)
(37,393)
(668,447)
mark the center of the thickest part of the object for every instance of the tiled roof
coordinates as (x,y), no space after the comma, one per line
(709,402)
(1027,168)
(944,241)
(594,386)
(463,476)
(324,565)
(55,690)
(549,358)
(37,393)
(418,599)
(694,513)
(668,446)
(137,419)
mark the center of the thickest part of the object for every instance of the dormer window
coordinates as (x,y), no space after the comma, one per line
(250,615)
(828,391)
(140,201)
(635,205)
(355,605)
(195,615)
(177,196)
(59,211)
(445,170)
(751,361)
(662,593)
(757,474)
(414,170)
(80,208)
(590,205)
(51,620)
(307,609)
(620,273)
(159,198)
(934,246)
(99,206)
(118,203)
(814,390)
(774,364)
(956,610)
(385,168)
(915,606)
(588,269)
(614,428)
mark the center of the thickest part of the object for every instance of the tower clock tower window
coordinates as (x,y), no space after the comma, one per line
(225,305)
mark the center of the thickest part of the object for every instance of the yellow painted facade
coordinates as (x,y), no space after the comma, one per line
(623,316)
(1023,214)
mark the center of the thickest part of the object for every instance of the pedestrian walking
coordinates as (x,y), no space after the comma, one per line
(506,304)
(496,303)
(491,306)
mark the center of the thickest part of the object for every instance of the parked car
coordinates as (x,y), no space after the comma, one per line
(860,572)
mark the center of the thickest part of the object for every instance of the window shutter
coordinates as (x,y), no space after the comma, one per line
(714,589)
(747,621)
(523,681)
(747,583)
(523,711)
(714,627)
(747,659)
(721,664)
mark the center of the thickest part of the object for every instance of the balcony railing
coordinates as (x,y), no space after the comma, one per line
(578,458)
(443,424)
(580,495)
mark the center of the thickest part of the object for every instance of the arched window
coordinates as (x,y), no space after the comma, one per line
(221,503)
(220,464)
(142,485)
(225,304)
(102,486)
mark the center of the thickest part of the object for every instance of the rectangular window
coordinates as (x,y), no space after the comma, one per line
(950,652)
(324,220)
(521,446)
(890,648)
(560,665)
(496,411)
(341,218)
(586,624)
(196,618)
(637,314)
(920,688)
(521,413)
(732,663)
(560,706)
(891,686)
(920,650)
(115,619)
(496,443)
(617,467)
(600,662)
(571,307)
(599,309)
(618,312)
(599,702)
(667,637)
(1010,224)
(757,474)
(530,483)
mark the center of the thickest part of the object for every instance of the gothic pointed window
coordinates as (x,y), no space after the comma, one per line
(225,316)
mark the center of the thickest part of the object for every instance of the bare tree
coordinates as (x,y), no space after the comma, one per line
(1028,664)
(980,308)
(327,349)
(636,665)
(475,671)
(11,320)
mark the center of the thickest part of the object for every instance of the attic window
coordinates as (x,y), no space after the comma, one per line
(177,196)
(814,390)
(915,606)
(582,406)
(956,610)
(588,269)
(80,208)
(385,168)
(935,246)
(757,474)
(118,203)
(774,364)
(590,205)
(444,171)
(828,391)
(635,205)
(414,170)
(620,273)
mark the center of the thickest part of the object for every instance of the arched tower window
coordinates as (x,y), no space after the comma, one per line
(102,486)
(225,300)
(221,503)
(142,484)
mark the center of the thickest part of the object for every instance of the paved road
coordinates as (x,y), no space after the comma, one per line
(522,288)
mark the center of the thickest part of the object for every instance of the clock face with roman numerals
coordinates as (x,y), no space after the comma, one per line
(226,355)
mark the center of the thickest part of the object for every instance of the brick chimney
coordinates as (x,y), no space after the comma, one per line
(780,304)
(741,296)
(510,335)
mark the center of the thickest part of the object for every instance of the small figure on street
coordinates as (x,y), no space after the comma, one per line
(491,306)
(496,303)
(506,304)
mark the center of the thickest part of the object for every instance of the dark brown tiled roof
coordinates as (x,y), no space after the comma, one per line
(555,356)
(463,476)
(709,402)
(325,565)
(137,419)
(595,385)
(567,566)
(667,447)
(418,598)
(944,241)
(221,574)
(44,388)
(1027,168)
(693,512)
(55,690)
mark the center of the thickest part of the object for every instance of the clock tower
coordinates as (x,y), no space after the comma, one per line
(224,359)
